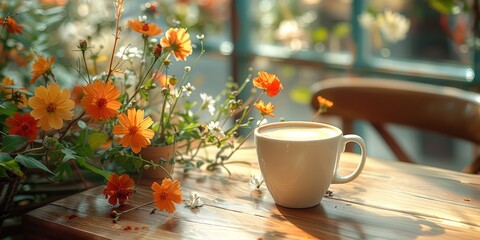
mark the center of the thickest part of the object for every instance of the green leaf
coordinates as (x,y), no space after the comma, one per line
(96,139)
(148,83)
(8,108)
(446,6)
(12,143)
(84,163)
(85,150)
(62,169)
(82,124)
(12,166)
(69,154)
(3,173)
(5,157)
(30,162)
(144,94)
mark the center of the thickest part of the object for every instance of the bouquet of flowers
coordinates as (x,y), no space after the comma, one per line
(109,118)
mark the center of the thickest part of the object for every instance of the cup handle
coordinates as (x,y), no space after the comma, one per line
(341,148)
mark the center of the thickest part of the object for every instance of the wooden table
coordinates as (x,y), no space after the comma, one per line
(390,200)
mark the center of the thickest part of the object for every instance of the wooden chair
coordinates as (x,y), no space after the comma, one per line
(444,110)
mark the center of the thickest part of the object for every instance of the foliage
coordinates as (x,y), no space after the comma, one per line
(99,120)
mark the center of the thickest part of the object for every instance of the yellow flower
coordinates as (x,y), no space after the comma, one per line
(265,110)
(51,106)
(135,129)
(178,41)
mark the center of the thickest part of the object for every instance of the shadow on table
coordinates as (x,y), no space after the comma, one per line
(335,220)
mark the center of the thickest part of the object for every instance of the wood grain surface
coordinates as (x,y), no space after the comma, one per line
(389,200)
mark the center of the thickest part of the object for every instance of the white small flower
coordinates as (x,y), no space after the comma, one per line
(394,26)
(129,53)
(208,102)
(211,109)
(195,201)
(256,181)
(215,128)
(153,40)
(188,89)
(200,37)
(100,76)
(188,69)
(131,79)
(142,18)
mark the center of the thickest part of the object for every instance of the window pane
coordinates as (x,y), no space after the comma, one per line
(416,31)
(301,27)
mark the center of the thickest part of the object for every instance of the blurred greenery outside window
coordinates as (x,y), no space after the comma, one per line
(438,43)
(425,41)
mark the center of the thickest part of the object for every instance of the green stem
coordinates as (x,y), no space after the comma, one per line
(139,85)
(70,125)
(32,150)
(86,66)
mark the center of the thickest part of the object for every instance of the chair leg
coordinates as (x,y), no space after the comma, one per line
(474,167)
(396,149)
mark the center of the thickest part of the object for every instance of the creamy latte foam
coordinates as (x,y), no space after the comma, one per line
(299,133)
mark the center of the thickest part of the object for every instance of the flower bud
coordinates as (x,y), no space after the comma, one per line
(50,143)
(172,81)
(82,45)
(158,51)
(232,104)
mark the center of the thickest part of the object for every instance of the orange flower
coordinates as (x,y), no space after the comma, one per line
(54,2)
(22,125)
(166,194)
(41,67)
(51,106)
(100,100)
(135,130)
(324,103)
(6,81)
(147,29)
(178,41)
(77,94)
(13,26)
(163,80)
(15,95)
(268,82)
(119,188)
(265,110)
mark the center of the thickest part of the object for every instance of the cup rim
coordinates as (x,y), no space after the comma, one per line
(295,123)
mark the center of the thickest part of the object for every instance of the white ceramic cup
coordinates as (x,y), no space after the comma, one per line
(299,160)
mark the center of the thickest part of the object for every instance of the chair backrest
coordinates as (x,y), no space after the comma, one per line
(445,110)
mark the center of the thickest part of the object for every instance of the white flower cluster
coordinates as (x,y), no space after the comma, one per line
(393,26)
(208,102)
(129,53)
